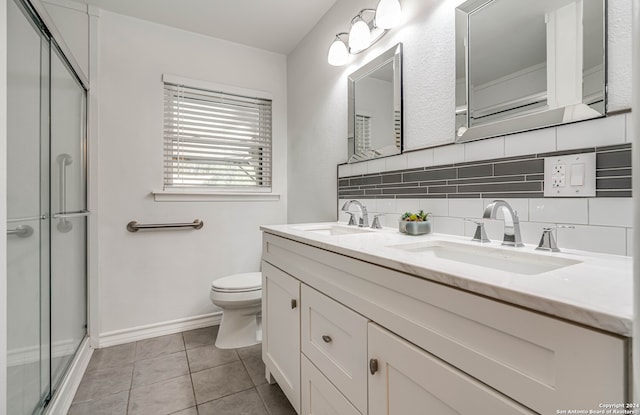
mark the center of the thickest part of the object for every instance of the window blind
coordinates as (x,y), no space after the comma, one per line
(397,129)
(363,133)
(214,139)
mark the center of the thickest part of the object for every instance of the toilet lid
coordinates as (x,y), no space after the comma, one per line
(250,281)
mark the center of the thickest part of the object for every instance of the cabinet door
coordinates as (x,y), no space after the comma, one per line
(319,396)
(404,379)
(281,330)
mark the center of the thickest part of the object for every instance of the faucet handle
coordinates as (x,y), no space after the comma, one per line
(352,219)
(376,221)
(480,234)
(547,241)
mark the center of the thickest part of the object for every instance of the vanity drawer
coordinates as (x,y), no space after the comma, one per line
(334,338)
(319,396)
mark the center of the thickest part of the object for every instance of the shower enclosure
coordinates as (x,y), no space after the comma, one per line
(46,212)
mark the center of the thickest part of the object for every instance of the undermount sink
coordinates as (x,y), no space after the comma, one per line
(518,262)
(333,230)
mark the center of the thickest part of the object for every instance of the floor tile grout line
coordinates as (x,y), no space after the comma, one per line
(126,408)
(266,407)
(133,369)
(193,388)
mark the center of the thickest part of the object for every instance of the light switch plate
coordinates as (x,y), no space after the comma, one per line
(570,175)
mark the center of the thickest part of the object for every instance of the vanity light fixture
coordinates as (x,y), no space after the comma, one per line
(360,34)
(338,52)
(367,27)
(388,14)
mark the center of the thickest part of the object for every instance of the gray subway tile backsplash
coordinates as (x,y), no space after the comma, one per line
(519,167)
(626,172)
(623,183)
(567,152)
(482,170)
(510,177)
(450,173)
(501,179)
(391,178)
(501,187)
(611,159)
(613,193)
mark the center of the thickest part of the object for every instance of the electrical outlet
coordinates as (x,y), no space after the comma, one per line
(558,175)
(571,175)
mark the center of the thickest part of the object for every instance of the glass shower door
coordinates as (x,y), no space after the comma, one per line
(28,340)
(68,225)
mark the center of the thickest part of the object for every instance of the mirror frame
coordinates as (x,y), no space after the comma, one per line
(517,124)
(392,55)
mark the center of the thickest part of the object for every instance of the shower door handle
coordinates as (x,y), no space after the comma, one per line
(70,215)
(22,231)
(63,160)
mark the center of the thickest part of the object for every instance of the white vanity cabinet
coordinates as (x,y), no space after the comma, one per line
(281,330)
(436,346)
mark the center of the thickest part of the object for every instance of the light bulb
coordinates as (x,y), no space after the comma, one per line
(388,14)
(359,36)
(338,53)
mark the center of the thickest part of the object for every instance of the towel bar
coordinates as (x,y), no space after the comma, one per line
(134,226)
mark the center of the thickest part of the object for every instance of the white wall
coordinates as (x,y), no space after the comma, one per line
(318,94)
(154,277)
(3,206)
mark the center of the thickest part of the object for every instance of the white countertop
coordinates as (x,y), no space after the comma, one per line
(596,292)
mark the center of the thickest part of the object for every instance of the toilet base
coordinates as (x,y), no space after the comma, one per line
(239,328)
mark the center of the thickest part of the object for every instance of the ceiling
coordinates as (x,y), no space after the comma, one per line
(273,25)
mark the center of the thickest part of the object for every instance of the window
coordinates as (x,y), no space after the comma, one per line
(363,133)
(215,137)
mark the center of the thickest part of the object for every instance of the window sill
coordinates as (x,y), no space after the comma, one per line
(195,196)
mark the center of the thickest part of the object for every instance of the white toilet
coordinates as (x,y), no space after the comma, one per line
(240,298)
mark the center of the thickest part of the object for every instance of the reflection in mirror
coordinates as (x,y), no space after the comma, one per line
(525,64)
(375,108)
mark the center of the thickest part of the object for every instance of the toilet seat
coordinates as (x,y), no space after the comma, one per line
(251,281)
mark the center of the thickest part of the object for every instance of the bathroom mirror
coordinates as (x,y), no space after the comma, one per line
(524,64)
(375,108)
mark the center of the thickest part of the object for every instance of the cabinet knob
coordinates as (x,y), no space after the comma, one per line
(327,339)
(373,366)
(294,303)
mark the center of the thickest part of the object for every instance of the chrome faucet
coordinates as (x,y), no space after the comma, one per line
(364,220)
(511,222)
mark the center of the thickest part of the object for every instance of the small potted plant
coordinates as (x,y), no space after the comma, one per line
(415,223)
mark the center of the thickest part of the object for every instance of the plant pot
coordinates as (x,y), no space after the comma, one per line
(414,227)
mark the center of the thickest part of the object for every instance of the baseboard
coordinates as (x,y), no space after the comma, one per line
(63,397)
(114,338)
(31,354)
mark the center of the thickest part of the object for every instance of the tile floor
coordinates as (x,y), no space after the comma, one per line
(181,374)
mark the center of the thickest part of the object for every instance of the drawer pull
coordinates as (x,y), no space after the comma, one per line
(373,366)
(294,303)
(327,339)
